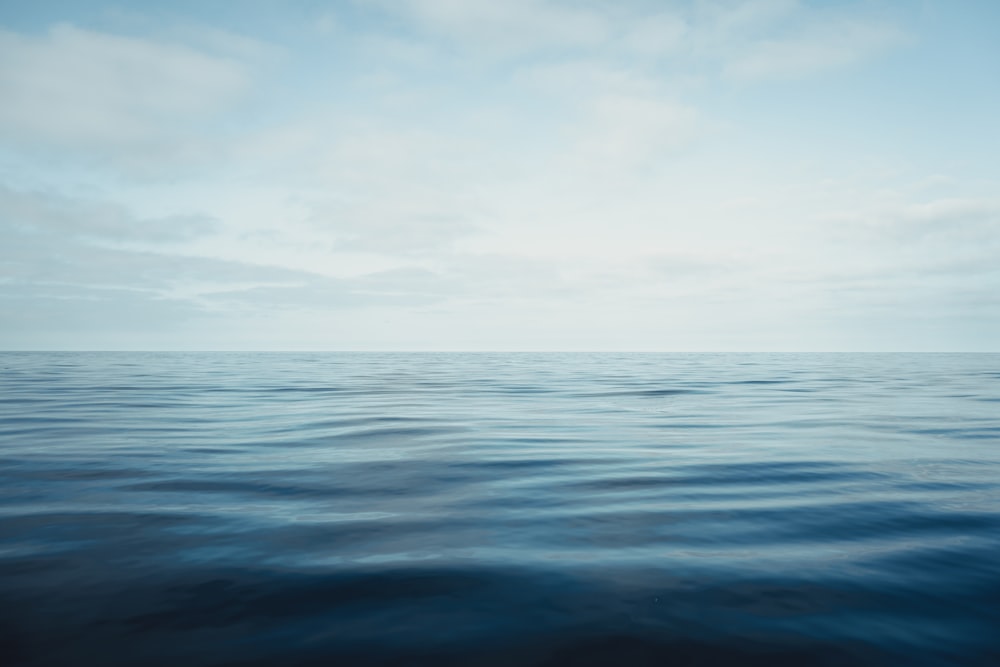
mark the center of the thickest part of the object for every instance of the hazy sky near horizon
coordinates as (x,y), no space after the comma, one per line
(500,174)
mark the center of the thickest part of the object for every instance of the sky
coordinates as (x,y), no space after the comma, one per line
(676,175)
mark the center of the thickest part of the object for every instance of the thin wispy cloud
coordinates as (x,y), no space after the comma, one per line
(529,174)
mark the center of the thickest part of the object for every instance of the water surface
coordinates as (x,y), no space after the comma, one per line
(499,509)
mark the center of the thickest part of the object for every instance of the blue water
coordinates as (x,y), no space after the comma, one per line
(499,509)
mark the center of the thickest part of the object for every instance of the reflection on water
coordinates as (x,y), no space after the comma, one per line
(499,509)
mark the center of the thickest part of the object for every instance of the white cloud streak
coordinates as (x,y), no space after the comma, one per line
(81,89)
(465,174)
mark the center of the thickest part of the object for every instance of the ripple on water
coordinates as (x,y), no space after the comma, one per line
(518,509)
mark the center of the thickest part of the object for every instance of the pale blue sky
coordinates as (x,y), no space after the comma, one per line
(528,174)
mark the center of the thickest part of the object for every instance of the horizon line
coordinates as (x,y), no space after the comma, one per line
(478,351)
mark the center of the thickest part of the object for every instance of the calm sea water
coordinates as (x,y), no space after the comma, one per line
(499,509)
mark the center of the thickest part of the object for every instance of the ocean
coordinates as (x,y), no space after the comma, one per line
(359,509)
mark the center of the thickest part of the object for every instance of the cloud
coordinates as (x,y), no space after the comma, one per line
(630,132)
(820,46)
(655,35)
(80,89)
(932,231)
(391,226)
(908,262)
(727,20)
(67,263)
(507,28)
(51,239)
(41,213)
(741,40)
(467,171)
(974,221)
(581,78)
(77,317)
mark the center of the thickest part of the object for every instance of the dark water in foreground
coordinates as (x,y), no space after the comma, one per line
(499,509)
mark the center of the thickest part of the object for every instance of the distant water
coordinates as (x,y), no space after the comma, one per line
(499,509)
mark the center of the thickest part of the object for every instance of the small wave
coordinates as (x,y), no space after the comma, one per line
(395,509)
